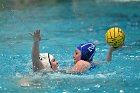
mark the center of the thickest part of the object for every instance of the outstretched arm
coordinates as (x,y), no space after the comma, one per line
(109,55)
(37,65)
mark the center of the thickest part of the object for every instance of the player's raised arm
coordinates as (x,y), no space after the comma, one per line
(37,65)
(115,38)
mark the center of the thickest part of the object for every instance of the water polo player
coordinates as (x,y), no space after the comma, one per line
(83,57)
(41,61)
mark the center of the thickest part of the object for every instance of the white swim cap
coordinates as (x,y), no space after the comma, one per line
(46,58)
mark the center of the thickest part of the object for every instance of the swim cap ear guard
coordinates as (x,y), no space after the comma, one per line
(87,51)
(46,58)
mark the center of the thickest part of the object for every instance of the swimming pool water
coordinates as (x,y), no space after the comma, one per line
(65,24)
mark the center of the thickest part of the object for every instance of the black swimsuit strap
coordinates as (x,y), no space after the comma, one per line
(49,60)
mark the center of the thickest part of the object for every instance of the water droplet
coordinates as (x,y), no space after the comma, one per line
(121,91)
(97,86)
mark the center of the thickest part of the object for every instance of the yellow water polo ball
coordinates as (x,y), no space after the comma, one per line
(115,37)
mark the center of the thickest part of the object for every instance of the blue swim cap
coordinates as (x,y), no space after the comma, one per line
(87,51)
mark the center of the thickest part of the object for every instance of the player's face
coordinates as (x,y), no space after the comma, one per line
(77,56)
(54,64)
